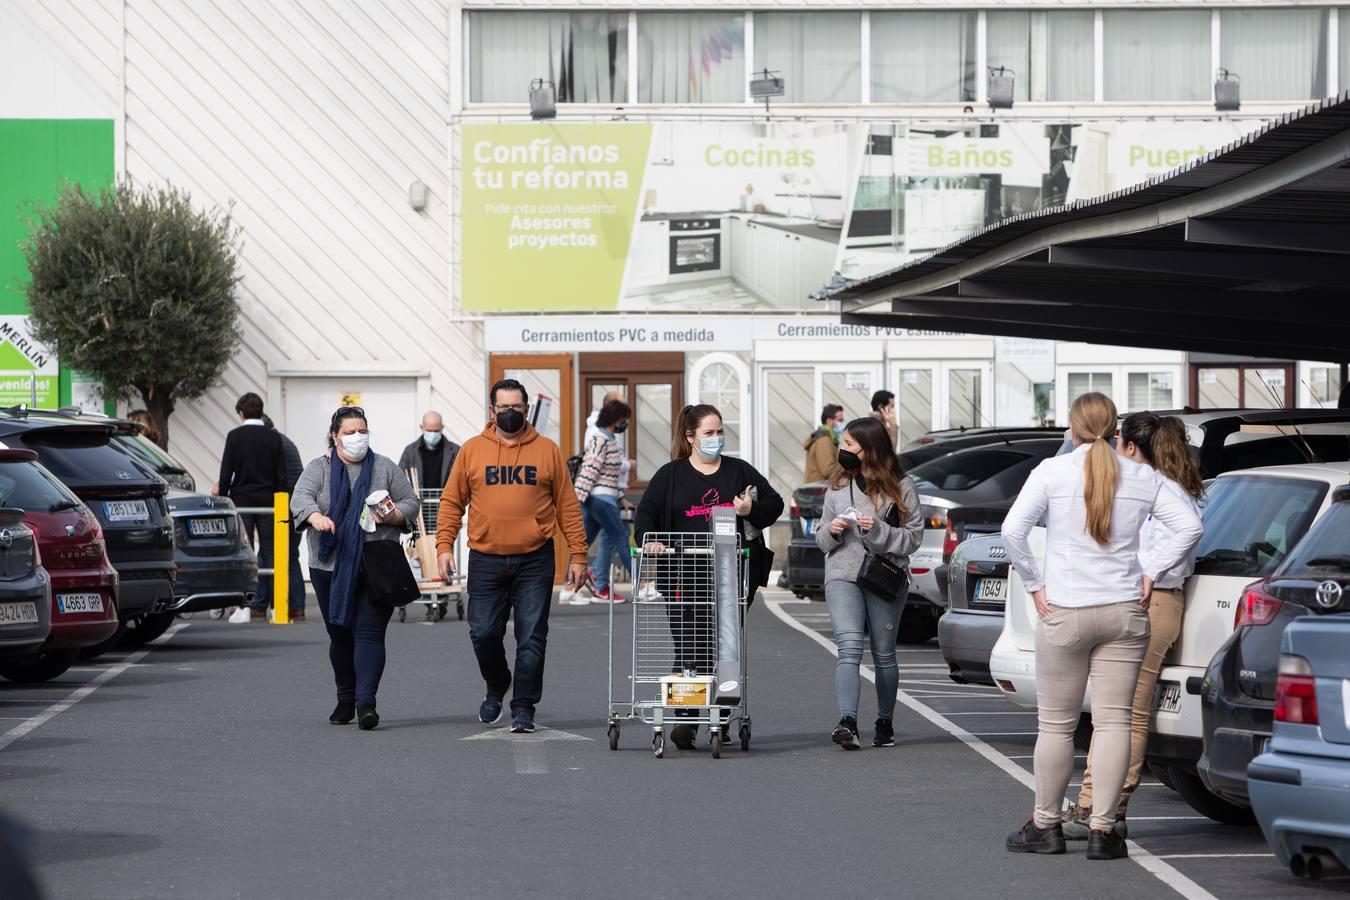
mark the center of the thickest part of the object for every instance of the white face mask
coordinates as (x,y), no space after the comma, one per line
(355,445)
(431,437)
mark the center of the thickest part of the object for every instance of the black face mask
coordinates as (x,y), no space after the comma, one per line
(511,421)
(621,428)
(849,460)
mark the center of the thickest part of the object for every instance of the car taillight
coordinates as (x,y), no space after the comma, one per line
(95,529)
(934,517)
(1295,692)
(1257,607)
(949,542)
(795,511)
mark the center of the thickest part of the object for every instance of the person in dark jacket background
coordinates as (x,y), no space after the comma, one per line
(430,456)
(252,470)
(295,466)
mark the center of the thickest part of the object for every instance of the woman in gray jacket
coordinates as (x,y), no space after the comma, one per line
(328,502)
(871,507)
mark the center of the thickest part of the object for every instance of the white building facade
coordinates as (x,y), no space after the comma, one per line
(404,245)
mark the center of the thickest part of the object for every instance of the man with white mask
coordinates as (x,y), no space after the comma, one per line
(430,456)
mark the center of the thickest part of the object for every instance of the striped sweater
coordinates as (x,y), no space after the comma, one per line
(601,467)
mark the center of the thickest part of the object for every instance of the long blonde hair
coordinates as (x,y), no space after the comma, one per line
(1093,422)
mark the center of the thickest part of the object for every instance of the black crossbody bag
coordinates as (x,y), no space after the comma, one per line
(880,574)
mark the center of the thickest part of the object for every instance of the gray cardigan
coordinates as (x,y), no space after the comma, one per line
(311,496)
(844,553)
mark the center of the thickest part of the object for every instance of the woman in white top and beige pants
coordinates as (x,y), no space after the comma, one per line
(1092,597)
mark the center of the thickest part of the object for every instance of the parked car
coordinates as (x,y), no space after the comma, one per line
(83,605)
(127,499)
(972,475)
(1237,699)
(939,443)
(1253,518)
(25,589)
(977,589)
(150,455)
(1300,787)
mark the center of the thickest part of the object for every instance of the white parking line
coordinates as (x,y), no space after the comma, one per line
(75,696)
(1154,865)
(1003,733)
(1216,855)
(991,713)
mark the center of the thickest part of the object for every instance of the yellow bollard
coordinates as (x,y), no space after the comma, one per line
(281,559)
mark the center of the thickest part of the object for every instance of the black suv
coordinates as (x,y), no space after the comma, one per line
(1237,697)
(127,499)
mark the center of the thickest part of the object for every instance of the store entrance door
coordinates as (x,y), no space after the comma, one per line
(653,386)
(1243,386)
(545,375)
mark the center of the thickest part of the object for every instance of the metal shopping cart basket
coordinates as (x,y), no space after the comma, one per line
(686,654)
(436,594)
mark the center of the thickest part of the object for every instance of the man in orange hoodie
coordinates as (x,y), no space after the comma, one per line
(516,480)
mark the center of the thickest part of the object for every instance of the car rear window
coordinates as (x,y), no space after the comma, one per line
(84,456)
(1325,551)
(31,487)
(961,471)
(1284,451)
(147,453)
(1253,521)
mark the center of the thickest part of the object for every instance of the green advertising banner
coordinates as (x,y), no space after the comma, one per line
(548,214)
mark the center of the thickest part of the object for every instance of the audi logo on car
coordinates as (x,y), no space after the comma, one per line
(1328,594)
(6,539)
(998,552)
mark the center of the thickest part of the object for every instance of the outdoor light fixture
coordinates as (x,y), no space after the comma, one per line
(418,194)
(543,99)
(1226,92)
(767,84)
(1001,87)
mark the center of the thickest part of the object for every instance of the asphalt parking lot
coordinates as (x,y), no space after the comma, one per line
(205,767)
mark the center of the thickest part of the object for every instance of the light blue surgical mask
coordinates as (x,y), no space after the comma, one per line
(710,448)
(432,438)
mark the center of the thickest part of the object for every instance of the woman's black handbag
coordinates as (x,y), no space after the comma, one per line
(882,576)
(389,578)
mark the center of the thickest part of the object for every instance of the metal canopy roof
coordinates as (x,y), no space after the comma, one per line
(1244,252)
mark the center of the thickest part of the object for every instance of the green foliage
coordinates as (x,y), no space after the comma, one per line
(138,288)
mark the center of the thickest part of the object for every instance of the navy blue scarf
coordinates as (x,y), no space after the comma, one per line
(347,541)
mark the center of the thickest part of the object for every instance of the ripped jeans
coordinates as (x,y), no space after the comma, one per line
(850,606)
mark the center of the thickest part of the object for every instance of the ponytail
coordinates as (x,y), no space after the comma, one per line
(1170,453)
(685,424)
(1093,421)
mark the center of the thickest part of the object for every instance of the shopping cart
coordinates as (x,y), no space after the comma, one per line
(687,643)
(436,594)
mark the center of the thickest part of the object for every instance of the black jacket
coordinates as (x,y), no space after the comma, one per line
(411,458)
(295,466)
(253,466)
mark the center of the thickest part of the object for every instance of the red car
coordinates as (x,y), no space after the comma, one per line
(70,543)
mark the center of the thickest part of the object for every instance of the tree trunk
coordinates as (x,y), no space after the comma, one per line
(159,405)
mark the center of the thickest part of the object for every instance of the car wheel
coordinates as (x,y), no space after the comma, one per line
(1163,774)
(1199,798)
(1082,733)
(94,651)
(45,666)
(143,629)
(916,630)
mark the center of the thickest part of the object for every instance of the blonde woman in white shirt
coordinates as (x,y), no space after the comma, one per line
(1161,443)
(1092,596)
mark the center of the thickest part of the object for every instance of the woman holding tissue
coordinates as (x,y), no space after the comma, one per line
(345,498)
(871,509)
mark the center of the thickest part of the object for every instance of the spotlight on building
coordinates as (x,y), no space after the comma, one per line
(418,195)
(767,84)
(543,99)
(1227,96)
(1001,87)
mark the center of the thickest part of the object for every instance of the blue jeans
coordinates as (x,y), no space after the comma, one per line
(258,532)
(357,653)
(602,517)
(499,586)
(850,606)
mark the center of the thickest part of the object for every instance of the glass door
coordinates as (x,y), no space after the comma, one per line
(916,400)
(967,395)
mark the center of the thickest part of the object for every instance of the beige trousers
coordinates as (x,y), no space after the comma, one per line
(1105,644)
(1164,614)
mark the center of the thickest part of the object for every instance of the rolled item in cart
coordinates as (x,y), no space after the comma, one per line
(726,568)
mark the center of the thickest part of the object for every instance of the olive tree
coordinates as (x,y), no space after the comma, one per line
(136,287)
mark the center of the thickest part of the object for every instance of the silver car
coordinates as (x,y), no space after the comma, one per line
(977,589)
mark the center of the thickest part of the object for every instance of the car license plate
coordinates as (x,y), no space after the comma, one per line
(126,511)
(12,613)
(79,603)
(206,527)
(1168,697)
(991,589)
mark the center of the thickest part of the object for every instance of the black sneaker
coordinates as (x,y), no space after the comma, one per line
(490,711)
(682,736)
(1106,845)
(1030,839)
(522,722)
(885,734)
(343,713)
(845,734)
(367,719)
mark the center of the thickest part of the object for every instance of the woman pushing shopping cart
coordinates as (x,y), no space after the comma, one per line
(701,556)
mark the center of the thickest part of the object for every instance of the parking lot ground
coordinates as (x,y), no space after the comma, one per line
(205,767)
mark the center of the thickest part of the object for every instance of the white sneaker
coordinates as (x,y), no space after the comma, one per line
(649,592)
(566,596)
(240,616)
(580,597)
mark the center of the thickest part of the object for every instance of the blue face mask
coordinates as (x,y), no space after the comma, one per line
(710,448)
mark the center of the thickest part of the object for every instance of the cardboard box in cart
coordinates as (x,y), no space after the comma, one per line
(688,690)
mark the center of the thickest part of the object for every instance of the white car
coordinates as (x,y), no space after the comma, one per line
(1253,517)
